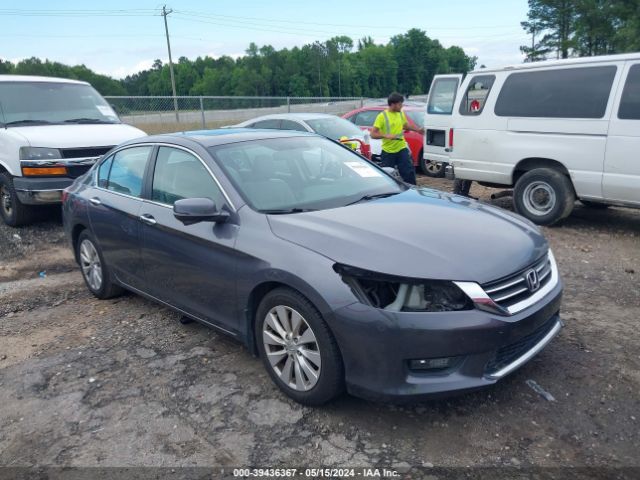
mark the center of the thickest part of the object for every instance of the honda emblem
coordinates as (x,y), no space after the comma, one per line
(533,282)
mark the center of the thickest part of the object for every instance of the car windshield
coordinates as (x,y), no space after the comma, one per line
(417,116)
(334,127)
(42,103)
(288,175)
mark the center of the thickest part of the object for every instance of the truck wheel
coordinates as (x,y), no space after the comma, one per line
(544,196)
(12,211)
(431,169)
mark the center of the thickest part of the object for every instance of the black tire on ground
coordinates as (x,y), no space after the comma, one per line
(594,205)
(330,383)
(13,212)
(544,196)
(106,288)
(431,169)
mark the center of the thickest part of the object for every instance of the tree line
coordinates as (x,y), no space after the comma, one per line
(566,28)
(336,67)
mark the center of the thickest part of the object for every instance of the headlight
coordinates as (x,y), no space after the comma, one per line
(399,294)
(39,153)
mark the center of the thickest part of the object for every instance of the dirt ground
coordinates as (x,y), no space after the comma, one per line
(121,382)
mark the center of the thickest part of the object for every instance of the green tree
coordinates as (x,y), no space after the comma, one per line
(556,20)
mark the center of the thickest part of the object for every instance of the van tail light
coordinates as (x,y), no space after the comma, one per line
(451,138)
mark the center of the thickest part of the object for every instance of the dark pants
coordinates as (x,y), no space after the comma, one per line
(402,161)
(462,187)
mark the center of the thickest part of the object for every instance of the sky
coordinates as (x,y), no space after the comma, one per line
(120,37)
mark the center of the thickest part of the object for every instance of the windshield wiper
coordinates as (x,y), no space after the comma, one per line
(365,198)
(287,210)
(27,122)
(86,120)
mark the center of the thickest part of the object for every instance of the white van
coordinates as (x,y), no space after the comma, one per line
(51,131)
(554,131)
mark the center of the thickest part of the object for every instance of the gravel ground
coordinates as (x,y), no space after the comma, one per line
(121,382)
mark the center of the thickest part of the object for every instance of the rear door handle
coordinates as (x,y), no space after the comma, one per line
(95,201)
(148,219)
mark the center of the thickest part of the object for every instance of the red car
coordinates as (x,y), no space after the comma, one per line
(364,118)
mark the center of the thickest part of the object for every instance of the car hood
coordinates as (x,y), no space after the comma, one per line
(76,136)
(420,233)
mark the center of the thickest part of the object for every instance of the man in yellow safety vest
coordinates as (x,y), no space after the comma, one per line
(389,126)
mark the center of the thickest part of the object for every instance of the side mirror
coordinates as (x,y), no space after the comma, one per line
(195,210)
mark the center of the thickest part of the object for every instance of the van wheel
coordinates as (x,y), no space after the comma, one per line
(12,211)
(431,169)
(297,348)
(544,196)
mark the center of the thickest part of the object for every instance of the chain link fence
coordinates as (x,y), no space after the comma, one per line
(170,114)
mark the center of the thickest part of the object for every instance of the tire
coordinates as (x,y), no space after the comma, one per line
(544,196)
(594,205)
(283,356)
(431,169)
(12,211)
(95,271)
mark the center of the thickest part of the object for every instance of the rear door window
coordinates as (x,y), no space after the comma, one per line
(127,170)
(476,95)
(557,93)
(442,96)
(273,123)
(630,101)
(291,125)
(366,118)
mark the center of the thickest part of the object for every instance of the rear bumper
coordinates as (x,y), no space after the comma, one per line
(40,191)
(449,173)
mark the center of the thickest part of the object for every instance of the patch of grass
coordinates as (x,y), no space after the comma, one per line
(156,128)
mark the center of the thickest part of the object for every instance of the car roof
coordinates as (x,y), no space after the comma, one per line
(222,136)
(36,78)
(293,116)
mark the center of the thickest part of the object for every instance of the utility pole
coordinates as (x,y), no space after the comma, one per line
(533,42)
(166,12)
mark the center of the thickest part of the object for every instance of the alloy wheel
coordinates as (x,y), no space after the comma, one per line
(91,265)
(292,348)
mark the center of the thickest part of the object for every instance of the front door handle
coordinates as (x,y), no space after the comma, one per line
(148,219)
(95,201)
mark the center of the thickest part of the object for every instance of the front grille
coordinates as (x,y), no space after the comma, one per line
(84,152)
(74,171)
(509,353)
(514,289)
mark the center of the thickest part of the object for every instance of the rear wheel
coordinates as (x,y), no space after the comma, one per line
(297,348)
(543,195)
(95,271)
(431,169)
(12,211)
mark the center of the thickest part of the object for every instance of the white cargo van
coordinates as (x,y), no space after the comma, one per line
(51,131)
(554,131)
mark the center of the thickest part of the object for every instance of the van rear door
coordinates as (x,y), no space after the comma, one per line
(437,121)
(621,179)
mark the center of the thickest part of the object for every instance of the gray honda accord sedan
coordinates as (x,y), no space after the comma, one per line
(333,272)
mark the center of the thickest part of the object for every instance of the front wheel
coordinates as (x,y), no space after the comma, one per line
(544,196)
(12,211)
(297,348)
(430,168)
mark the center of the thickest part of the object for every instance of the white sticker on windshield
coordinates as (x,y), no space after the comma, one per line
(363,170)
(106,111)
